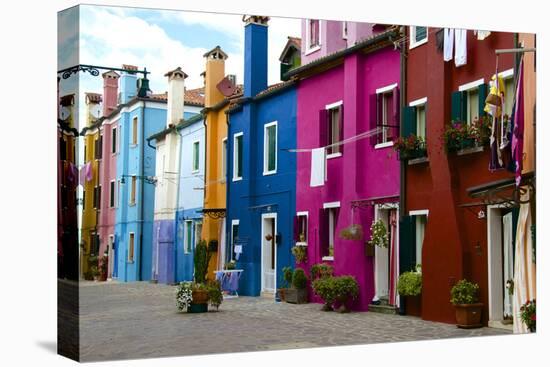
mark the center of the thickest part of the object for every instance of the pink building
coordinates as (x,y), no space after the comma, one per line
(109,151)
(350,91)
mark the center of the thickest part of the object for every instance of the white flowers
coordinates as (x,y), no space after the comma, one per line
(184,295)
(379,235)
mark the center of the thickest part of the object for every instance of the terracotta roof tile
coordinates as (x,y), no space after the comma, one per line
(129,67)
(193,97)
(93,97)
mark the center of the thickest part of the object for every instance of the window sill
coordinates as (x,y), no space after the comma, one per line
(327,258)
(129,261)
(384,145)
(235,179)
(132,204)
(301,244)
(195,171)
(334,155)
(268,173)
(418,161)
(419,43)
(312,50)
(471,150)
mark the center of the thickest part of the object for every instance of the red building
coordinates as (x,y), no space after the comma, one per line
(444,229)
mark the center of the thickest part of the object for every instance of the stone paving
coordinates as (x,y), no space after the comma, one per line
(140,320)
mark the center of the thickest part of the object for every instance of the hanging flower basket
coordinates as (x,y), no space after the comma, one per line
(353,232)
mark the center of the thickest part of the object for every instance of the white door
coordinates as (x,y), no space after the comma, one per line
(269,229)
(381,260)
(111,255)
(508,265)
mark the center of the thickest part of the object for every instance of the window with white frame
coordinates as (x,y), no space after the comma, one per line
(234,236)
(386,115)
(133,185)
(470,106)
(418,36)
(270,148)
(135,131)
(196,151)
(131,244)
(508,79)
(420,220)
(419,106)
(301,222)
(224,158)
(114,141)
(335,125)
(313,34)
(198,232)
(112,194)
(345,30)
(188,236)
(237,156)
(330,219)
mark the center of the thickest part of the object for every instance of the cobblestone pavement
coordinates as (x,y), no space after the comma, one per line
(140,320)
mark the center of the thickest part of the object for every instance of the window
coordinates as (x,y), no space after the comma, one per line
(334,126)
(420,219)
(301,224)
(195,156)
(135,131)
(85,152)
(509,93)
(114,142)
(111,245)
(386,109)
(188,239)
(234,236)
(224,159)
(83,199)
(313,34)
(418,36)
(112,193)
(468,103)
(118,193)
(133,190)
(131,247)
(62,149)
(198,232)
(238,156)
(270,148)
(414,119)
(345,30)
(95,243)
(329,220)
(98,147)
(97,197)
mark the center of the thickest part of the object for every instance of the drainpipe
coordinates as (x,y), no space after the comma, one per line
(177,207)
(142,187)
(403,164)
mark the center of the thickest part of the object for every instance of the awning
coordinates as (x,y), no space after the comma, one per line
(364,203)
(503,192)
(214,213)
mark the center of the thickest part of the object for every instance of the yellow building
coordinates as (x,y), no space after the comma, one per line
(219,90)
(89,244)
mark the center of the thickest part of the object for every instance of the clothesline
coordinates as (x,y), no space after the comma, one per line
(352,139)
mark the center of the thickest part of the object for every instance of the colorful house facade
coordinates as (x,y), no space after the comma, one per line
(452,235)
(261,188)
(219,90)
(354,122)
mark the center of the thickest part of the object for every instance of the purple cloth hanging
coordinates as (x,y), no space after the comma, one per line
(89,171)
(519,120)
(496,161)
(234,281)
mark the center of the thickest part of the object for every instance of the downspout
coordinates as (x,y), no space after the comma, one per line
(177,208)
(140,210)
(403,163)
(227,187)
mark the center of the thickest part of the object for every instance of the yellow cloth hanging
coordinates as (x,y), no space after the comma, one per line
(493,102)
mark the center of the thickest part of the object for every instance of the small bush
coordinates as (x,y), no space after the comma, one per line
(346,288)
(215,294)
(321,270)
(409,283)
(287,276)
(464,293)
(325,288)
(299,279)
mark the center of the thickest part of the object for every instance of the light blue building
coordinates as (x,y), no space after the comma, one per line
(140,117)
(261,189)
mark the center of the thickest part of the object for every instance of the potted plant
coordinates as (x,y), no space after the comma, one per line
(461,135)
(287,280)
(325,288)
(103,268)
(215,295)
(464,296)
(95,272)
(321,270)
(300,254)
(201,260)
(346,289)
(297,293)
(528,315)
(409,286)
(410,147)
(184,295)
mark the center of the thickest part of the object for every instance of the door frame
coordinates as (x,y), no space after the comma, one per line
(377,208)
(263,218)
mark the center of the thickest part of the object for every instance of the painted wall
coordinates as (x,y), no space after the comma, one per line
(360,172)
(455,242)
(257,194)
(89,213)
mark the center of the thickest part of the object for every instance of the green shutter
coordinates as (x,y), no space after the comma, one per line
(458,106)
(407,243)
(271,147)
(420,33)
(409,121)
(482,95)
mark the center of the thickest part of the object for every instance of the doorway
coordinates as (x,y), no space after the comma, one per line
(386,259)
(269,253)
(501,229)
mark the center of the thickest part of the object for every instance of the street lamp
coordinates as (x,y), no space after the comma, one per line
(149,179)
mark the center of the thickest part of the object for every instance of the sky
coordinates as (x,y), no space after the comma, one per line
(159,40)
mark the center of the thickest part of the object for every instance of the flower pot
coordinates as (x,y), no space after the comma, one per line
(282,294)
(200,296)
(468,316)
(294,295)
(369,249)
(197,308)
(413,305)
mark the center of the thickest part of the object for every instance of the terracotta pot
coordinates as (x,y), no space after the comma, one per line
(294,295)
(468,316)
(413,305)
(200,296)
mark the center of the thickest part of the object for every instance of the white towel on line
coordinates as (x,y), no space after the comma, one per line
(460,46)
(318,167)
(448,40)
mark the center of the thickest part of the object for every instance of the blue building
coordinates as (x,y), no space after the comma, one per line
(140,116)
(261,189)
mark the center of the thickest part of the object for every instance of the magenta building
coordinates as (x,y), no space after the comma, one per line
(349,85)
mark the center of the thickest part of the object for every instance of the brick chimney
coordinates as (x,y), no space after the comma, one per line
(215,72)
(110,91)
(128,84)
(176,92)
(255,54)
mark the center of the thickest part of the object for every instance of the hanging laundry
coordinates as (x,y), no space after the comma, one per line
(318,167)
(89,171)
(448,41)
(460,46)
(517,137)
(496,159)
(481,35)
(493,102)
(238,251)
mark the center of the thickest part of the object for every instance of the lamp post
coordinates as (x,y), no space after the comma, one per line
(149,179)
